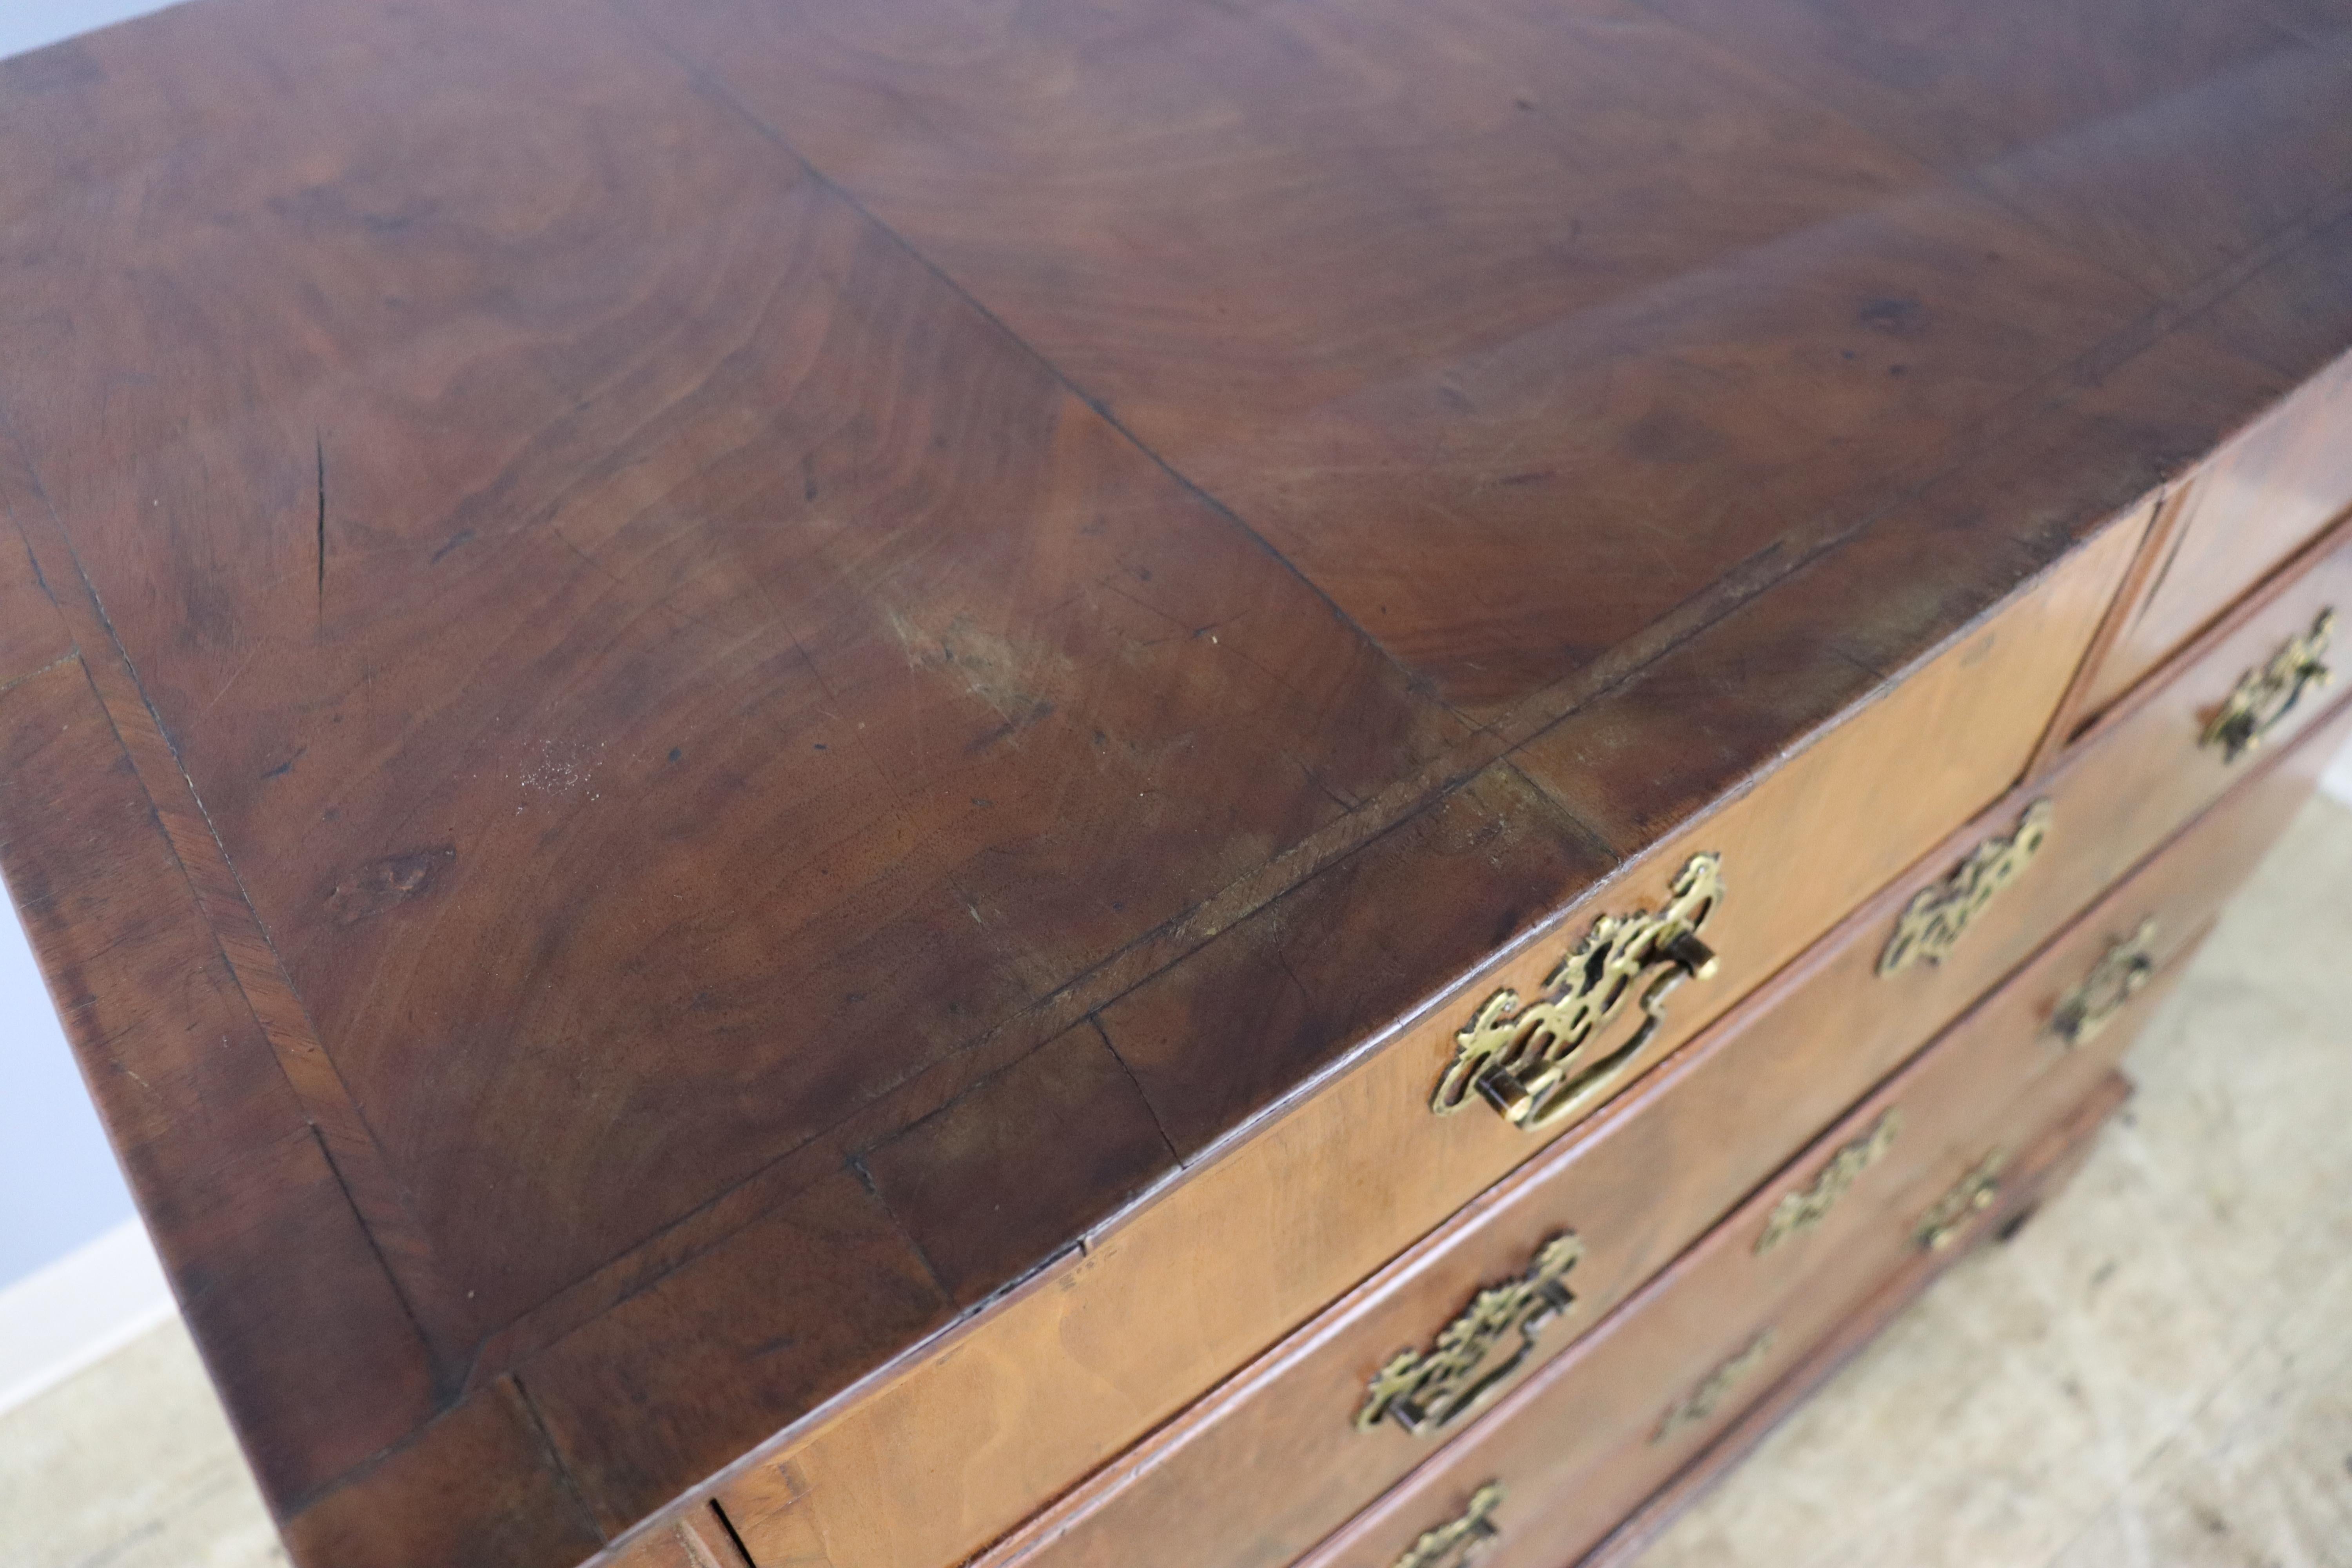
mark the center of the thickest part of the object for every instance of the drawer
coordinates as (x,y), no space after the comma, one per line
(2045,1161)
(1272,1459)
(2111,800)
(2043,1168)
(1268,1227)
(1562,1460)
(696,1539)
(2249,507)
(2253,683)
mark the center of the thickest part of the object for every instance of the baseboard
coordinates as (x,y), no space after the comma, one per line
(77,1310)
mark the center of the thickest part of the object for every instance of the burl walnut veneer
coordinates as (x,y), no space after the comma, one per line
(773,754)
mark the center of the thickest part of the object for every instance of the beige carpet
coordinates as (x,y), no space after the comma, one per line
(2157,1372)
(131,1465)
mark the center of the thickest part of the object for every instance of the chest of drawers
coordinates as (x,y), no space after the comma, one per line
(1070,784)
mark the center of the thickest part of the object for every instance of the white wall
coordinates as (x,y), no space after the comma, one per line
(59,1182)
(29,24)
(76,1276)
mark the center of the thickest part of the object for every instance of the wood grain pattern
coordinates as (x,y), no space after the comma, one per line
(2151,739)
(2255,502)
(1051,1146)
(1583,1443)
(1263,1467)
(2154,523)
(659,605)
(1519,368)
(761,1327)
(2129,134)
(480,1488)
(33,633)
(1275,1223)
(233,1182)
(729,616)
(2290,313)
(695,1541)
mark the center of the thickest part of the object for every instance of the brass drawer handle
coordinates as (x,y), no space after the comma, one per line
(1799,1212)
(1714,1388)
(1464,1539)
(2264,697)
(1423,1391)
(1939,915)
(1538,1063)
(1971,1195)
(2113,982)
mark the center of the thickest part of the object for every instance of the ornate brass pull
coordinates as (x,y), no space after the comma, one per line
(1974,1193)
(1460,1540)
(1799,1212)
(2113,981)
(2264,696)
(1709,1395)
(1423,1390)
(1933,922)
(1538,1063)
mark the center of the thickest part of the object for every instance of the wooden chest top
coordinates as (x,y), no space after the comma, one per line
(672,597)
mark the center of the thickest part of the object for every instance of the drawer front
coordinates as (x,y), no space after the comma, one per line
(2043,1168)
(1261,1234)
(698,1539)
(1580,1445)
(2110,802)
(1272,1459)
(2051,1144)
(2247,508)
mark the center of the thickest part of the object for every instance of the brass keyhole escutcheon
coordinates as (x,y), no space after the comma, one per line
(1424,1391)
(2264,696)
(1538,1062)
(1461,1538)
(2113,982)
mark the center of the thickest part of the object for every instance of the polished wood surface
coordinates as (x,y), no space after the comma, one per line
(689,683)
(1553,1437)
(1259,1471)
(696,1539)
(1271,1226)
(1583,1443)
(2252,504)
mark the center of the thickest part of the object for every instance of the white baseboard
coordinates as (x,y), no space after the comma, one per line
(82,1308)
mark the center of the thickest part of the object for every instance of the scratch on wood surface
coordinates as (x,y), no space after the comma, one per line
(320,440)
